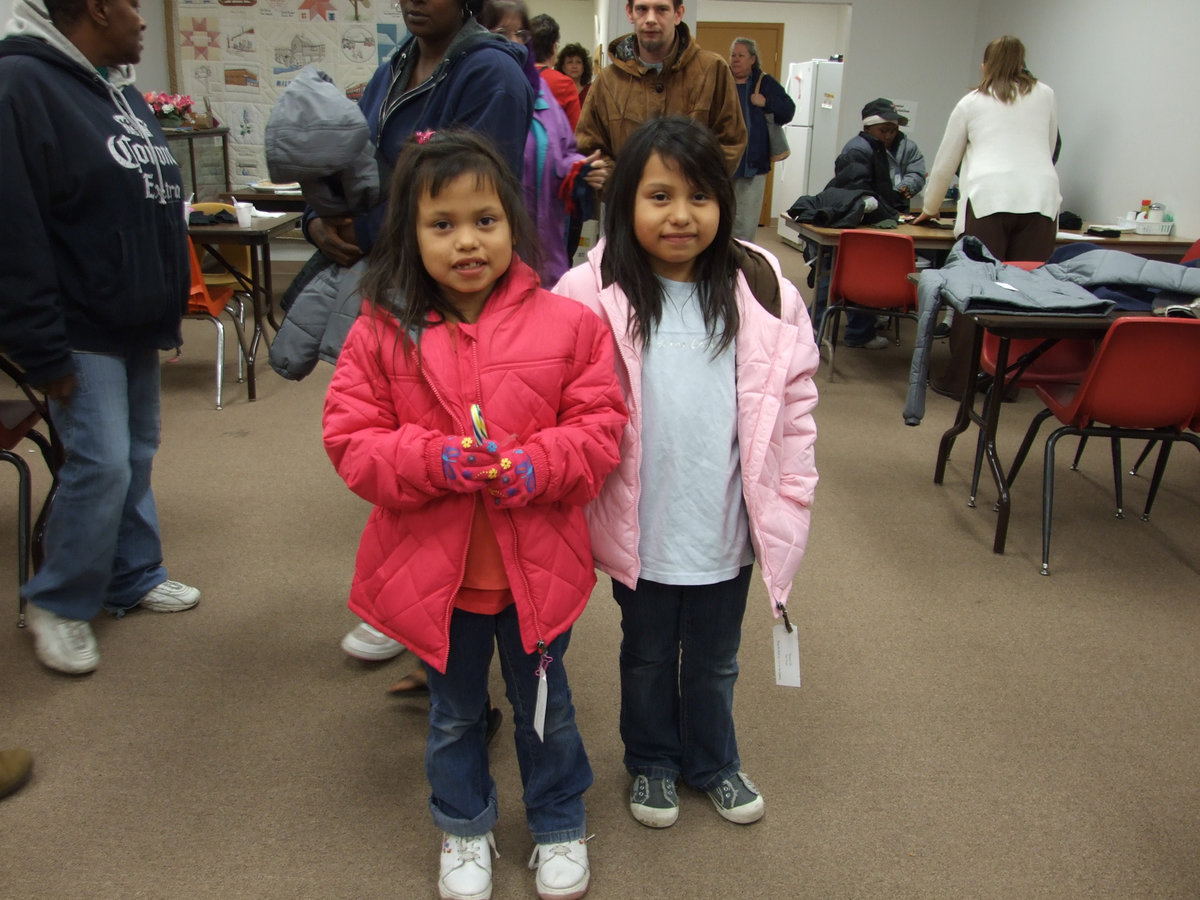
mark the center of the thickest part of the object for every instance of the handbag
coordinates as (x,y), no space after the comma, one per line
(777,142)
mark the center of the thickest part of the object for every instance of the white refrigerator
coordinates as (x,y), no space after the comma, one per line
(816,88)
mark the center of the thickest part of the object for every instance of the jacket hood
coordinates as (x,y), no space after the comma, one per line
(30,19)
(470,38)
(624,51)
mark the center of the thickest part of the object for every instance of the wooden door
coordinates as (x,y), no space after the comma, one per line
(718,36)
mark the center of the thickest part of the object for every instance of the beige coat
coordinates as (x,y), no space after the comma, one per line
(693,82)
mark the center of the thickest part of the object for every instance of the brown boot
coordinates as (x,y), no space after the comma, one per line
(15,767)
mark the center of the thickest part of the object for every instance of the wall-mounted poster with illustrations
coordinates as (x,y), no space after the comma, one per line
(241,54)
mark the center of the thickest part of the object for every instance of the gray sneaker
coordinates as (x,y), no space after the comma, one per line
(62,644)
(737,799)
(653,801)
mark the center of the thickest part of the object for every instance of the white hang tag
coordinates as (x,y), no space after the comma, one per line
(539,709)
(787,656)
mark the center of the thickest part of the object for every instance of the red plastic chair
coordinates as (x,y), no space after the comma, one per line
(870,274)
(1144,382)
(207,301)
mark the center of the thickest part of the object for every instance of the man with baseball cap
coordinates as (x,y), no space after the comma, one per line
(880,159)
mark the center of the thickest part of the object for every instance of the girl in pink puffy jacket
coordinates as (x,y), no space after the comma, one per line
(716,357)
(477,412)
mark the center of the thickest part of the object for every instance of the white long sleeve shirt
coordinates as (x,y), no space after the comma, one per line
(1006,153)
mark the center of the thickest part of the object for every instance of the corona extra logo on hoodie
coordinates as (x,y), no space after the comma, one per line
(135,150)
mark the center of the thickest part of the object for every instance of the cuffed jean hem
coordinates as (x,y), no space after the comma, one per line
(562,836)
(653,772)
(481,824)
(726,773)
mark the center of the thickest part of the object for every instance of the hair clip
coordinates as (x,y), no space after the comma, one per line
(424,136)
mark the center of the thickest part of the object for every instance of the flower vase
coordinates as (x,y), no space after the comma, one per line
(170,121)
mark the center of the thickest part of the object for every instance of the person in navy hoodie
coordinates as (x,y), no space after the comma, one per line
(93,283)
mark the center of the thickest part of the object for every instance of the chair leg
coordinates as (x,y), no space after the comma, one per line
(1141,459)
(24,504)
(1026,443)
(1048,497)
(1159,468)
(1078,453)
(1116,461)
(829,329)
(220,354)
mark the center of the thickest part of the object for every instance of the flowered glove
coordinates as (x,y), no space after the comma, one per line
(516,482)
(465,466)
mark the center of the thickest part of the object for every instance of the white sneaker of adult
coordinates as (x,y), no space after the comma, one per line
(62,644)
(562,870)
(465,870)
(170,596)
(370,644)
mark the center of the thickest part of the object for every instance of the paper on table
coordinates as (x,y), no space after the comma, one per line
(263,214)
(1074,236)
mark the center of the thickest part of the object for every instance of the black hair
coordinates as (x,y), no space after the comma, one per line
(576,50)
(545,35)
(687,146)
(492,12)
(65,13)
(397,281)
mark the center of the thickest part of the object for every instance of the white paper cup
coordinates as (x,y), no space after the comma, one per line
(244,212)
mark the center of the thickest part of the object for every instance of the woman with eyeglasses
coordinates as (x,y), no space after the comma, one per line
(449,71)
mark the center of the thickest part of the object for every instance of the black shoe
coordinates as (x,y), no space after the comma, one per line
(942,330)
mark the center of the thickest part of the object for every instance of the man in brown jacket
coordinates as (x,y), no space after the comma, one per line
(659,70)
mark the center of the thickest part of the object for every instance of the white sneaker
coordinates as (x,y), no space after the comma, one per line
(370,644)
(65,645)
(562,870)
(465,871)
(170,596)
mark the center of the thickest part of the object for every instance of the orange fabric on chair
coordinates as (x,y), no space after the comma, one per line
(204,298)
(1192,253)
(237,255)
(870,274)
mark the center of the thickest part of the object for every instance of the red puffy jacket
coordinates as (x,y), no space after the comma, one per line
(542,368)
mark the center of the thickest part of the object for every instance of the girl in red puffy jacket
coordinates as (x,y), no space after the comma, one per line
(478,413)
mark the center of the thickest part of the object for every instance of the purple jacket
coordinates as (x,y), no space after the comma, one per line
(550,157)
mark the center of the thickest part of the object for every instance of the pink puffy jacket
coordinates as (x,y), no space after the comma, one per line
(776,395)
(542,368)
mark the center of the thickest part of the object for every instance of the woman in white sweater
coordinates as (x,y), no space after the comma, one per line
(1001,137)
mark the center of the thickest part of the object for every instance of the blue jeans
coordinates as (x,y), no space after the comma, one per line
(678,666)
(554,773)
(102,542)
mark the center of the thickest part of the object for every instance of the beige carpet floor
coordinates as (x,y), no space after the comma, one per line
(966,727)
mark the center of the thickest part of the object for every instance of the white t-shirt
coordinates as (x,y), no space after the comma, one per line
(692,515)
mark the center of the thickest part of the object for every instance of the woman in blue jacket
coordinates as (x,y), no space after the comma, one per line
(450,71)
(759,94)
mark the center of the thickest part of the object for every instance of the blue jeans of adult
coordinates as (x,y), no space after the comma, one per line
(554,772)
(102,543)
(679,664)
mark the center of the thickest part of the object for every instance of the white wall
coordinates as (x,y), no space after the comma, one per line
(1125,75)
(576,20)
